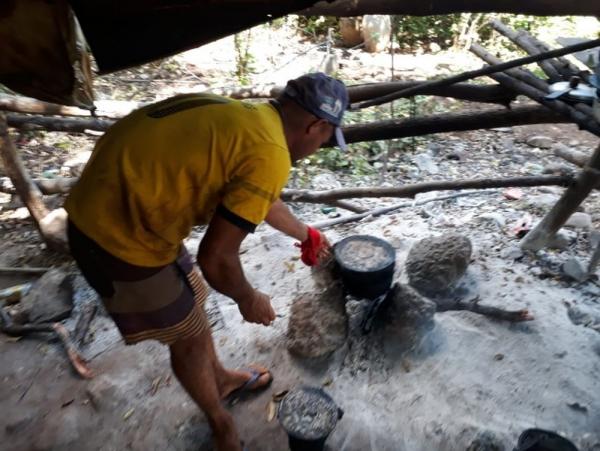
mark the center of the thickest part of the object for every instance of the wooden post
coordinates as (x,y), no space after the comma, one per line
(47,222)
(566,205)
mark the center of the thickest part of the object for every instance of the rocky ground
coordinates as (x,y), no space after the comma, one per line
(464,380)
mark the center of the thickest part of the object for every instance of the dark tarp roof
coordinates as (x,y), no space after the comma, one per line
(125,33)
(42,54)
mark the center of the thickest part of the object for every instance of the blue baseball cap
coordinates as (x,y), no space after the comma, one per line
(323,96)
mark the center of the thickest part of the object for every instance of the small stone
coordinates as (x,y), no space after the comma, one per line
(513,253)
(575,270)
(457,155)
(519,159)
(594,239)
(579,220)
(495,218)
(425,163)
(562,240)
(543,201)
(502,129)
(50,298)
(543,142)
(557,169)
(499,357)
(534,168)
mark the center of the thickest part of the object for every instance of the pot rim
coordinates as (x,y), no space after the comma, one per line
(391,260)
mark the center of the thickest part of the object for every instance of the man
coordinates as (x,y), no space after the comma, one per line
(196,159)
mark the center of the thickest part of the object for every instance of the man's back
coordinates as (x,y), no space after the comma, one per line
(167,166)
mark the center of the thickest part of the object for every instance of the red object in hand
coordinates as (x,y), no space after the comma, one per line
(310,247)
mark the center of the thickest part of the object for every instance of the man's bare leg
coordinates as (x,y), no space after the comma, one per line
(193,362)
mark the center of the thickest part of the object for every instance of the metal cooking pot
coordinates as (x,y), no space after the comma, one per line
(373,282)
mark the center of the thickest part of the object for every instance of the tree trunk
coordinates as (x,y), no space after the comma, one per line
(443,123)
(48,223)
(397,128)
(349,8)
(319,197)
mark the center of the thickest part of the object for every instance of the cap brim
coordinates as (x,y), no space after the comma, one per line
(339,137)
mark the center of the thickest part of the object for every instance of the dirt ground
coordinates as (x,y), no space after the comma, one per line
(470,377)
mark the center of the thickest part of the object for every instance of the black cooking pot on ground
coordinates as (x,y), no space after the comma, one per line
(366,265)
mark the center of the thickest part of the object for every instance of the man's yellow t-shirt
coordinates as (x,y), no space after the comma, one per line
(169,166)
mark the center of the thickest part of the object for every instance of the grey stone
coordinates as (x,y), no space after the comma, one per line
(583,315)
(579,220)
(436,264)
(594,239)
(513,253)
(376,30)
(543,142)
(519,159)
(408,317)
(486,441)
(425,163)
(318,324)
(495,218)
(50,298)
(562,240)
(457,155)
(557,169)
(574,269)
(534,168)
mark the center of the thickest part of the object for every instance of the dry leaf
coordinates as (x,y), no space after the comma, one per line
(128,414)
(271,411)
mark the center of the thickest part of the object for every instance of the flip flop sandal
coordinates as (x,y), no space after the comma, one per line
(541,440)
(247,388)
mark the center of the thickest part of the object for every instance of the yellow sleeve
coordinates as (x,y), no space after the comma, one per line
(257,183)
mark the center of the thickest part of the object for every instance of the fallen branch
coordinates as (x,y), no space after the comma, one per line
(492,312)
(347,206)
(56,329)
(385,210)
(398,128)
(86,316)
(411,190)
(114,109)
(488,70)
(443,123)
(572,156)
(23,270)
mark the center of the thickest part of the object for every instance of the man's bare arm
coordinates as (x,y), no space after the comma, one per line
(218,257)
(281,218)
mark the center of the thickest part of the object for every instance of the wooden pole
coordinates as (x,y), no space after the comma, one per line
(521,38)
(573,196)
(488,70)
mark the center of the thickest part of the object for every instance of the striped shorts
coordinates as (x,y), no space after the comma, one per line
(163,303)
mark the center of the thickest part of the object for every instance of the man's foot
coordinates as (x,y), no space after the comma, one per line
(246,380)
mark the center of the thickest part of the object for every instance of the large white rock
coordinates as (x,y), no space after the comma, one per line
(376,32)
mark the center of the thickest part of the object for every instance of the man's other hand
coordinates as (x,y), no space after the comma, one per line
(257,308)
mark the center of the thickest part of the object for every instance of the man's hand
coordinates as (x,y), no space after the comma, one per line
(315,248)
(257,308)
